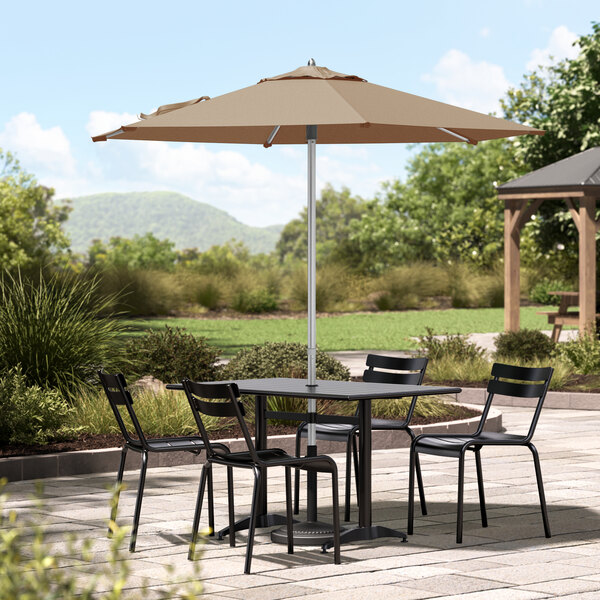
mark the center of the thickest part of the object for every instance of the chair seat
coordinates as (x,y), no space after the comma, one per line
(387,424)
(190,444)
(331,431)
(441,445)
(278,457)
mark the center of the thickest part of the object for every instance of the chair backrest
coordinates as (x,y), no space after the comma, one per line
(118,396)
(406,370)
(519,382)
(198,393)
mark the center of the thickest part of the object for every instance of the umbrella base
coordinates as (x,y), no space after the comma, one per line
(308,533)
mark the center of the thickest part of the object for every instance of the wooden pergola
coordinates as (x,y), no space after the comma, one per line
(575,180)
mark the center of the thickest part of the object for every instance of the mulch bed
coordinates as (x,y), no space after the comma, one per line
(113,440)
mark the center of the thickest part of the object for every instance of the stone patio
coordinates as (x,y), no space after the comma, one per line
(509,560)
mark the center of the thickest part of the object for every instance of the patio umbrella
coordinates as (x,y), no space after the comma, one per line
(308,106)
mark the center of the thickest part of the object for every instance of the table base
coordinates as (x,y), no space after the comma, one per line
(362,534)
(308,533)
(268,520)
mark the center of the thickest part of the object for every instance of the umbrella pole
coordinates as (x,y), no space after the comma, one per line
(311,532)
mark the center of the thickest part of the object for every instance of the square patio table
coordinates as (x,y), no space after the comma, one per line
(364,393)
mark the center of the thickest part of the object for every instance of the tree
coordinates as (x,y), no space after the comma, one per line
(447,210)
(30,224)
(139,252)
(335,211)
(563,99)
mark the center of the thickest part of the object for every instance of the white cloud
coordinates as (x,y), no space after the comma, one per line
(37,148)
(467,83)
(101,121)
(560,46)
(484,32)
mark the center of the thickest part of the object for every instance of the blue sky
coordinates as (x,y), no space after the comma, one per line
(73,69)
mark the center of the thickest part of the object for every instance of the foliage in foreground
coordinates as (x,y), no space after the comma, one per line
(30,414)
(57,330)
(32,568)
(171,355)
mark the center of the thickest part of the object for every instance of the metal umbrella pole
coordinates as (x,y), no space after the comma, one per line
(310,532)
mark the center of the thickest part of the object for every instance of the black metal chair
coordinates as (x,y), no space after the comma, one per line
(406,371)
(256,460)
(534,383)
(119,396)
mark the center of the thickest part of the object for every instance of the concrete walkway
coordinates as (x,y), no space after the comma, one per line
(509,560)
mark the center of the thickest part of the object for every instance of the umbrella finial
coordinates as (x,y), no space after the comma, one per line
(311,62)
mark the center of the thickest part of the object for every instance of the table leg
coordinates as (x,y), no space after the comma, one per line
(365,530)
(263,519)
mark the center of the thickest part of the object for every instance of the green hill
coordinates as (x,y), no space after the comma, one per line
(188,223)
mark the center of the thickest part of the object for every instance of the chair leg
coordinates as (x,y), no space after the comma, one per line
(231,507)
(336,519)
(356,466)
(540,484)
(252,523)
(297,477)
(138,502)
(288,510)
(349,456)
(411,491)
(419,476)
(484,521)
(461,489)
(117,493)
(201,487)
(211,503)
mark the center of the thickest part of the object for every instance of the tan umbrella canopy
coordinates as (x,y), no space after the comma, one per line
(346,108)
(308,106)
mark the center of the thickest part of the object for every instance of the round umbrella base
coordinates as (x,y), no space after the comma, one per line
(308,533)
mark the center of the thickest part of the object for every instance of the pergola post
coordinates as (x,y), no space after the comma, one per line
(587,264)
(512,265)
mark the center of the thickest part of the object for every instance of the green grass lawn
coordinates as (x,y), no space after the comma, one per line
(376,331)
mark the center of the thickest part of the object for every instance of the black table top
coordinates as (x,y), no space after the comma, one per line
(331,390)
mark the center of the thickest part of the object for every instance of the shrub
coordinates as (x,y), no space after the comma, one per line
(172,355)
(525,344)
(205,290)
(254,301)
(405,287)
(142,292)
(470,289)
(539,292)
(582,353)
(455,347)
(29,414)
(332,287)
(283,359)
(55,330)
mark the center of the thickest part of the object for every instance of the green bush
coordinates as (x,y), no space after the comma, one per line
(332,287)
(472,289)
(455,347)
(142,292)
(539,292)
(57,330)
(29,414)
(583,354)
(205,290)
(405,287)
(172,355)
(283,359)
(255,301)
(525,344)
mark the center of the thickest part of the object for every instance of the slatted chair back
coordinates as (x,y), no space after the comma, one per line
(198,395)
(519,382)
(119,396)
(406,370)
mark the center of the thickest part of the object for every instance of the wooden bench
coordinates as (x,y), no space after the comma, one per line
(562,316)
